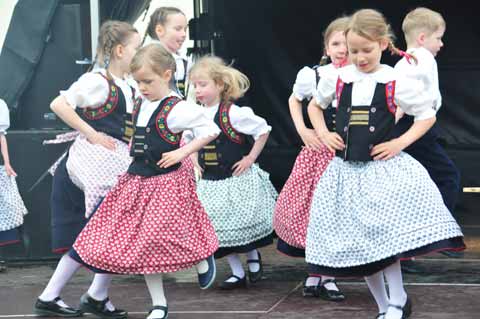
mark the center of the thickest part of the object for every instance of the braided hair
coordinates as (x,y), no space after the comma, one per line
(112,33)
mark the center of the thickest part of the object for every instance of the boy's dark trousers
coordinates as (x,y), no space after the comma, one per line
(433,157)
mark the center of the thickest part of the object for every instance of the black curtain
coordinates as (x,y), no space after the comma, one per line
(23,47)
(271,40)
(124,10)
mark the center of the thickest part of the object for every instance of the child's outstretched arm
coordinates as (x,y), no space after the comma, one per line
(308,136)
(171,158)
(387,150)
(6,158)
(66,112)
(332,140)
(244,164)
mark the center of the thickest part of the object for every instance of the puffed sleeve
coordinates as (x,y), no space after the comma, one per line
(245,121)
(305,82)
(4,117)
(413,99)
(190,116)
(90,90)
(325,92)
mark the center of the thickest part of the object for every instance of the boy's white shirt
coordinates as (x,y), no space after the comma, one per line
(426,71)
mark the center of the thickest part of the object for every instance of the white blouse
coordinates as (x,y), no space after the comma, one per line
(410,95)
(306,81)
(91,90)
(243,120)
(184,116)
(426,71)
(4,117)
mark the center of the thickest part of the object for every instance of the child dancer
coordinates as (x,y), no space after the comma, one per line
(94,161)
(152,222)
(293,205)
(168,26)
(12,208)
(423,29)
(374,204)
(237,195)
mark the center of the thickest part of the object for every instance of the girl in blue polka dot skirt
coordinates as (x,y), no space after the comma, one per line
(236,193)
(374,204)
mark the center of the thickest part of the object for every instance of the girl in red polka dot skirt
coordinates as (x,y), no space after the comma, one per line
(292,210)
(152,221)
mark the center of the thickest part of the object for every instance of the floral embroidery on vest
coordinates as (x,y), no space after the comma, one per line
(390,95)
(161,121)
(226,126)
(107,108)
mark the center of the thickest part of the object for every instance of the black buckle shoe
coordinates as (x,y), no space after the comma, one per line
(330,294)
(97,307)
(257,275)
(52,309)
(240,283)
(165,311)
(406,309)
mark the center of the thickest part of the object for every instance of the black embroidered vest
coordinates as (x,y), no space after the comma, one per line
(150,142)
(218,157)
(362,127)
(111,118)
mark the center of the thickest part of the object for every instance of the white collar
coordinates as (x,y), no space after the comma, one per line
(350,74)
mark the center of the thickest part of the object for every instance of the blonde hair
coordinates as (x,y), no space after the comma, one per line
(421,20)
(339,24)
(111,34)
(154,56)
(234,82)
(372,25)
(159,16)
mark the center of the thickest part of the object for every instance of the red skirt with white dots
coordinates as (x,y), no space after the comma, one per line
(148,225)
(292,210)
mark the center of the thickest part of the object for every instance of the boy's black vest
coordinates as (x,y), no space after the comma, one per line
(362,127)
(218,157)
(111,118)
(150,142)
(329,113)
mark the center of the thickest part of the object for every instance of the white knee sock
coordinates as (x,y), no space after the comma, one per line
(253,255)
(312,281)
(155,287)
(398,296)
(202,267)
(376,284)
(236,266)
(329,285)
(99,289)
(66,268)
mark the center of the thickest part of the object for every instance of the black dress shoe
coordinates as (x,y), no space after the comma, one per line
(97,307)
(406,309)
(52,309)
(257,275)
(381,315)
(165,311)
(330,294)
(240,283)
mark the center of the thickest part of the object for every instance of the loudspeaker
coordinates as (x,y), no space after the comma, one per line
(30,159)
(68,41)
